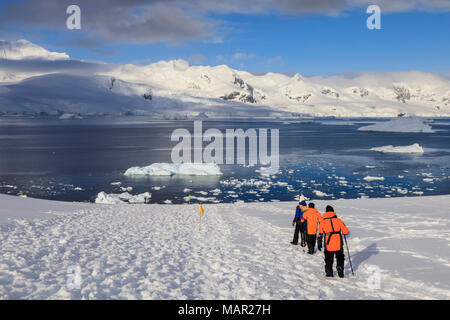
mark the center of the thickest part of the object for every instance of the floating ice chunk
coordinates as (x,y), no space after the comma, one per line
(429,180)
(70,116)
(140,198)
(369,178)
(168,169)
(201,199)
(125,197)
(320,193)
(268,171)
(428,175)
(399,125)
(413,149)
(105,198)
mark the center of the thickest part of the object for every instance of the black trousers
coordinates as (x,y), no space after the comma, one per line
(299,228)
(311,241)
(329,259)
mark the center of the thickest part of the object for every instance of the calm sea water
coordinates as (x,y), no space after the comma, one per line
(328,159)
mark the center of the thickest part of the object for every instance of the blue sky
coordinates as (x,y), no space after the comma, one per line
(271,39)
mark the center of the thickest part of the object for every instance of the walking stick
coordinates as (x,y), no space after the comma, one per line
(349,258)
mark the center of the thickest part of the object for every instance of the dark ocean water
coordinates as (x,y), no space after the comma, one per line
(74,160)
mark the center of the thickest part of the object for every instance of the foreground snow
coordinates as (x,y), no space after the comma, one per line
(169,169)
(242,252)
(412,149)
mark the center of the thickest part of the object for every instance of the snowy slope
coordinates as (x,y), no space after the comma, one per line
(242,252)
(216,90)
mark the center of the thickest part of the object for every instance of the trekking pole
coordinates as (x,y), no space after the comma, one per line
(349,258)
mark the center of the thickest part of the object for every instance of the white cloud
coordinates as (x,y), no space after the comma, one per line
(197,58)
(151,21)
(25,50)
(243,56)
(275,60)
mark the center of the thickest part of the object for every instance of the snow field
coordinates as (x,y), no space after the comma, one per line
(242,252)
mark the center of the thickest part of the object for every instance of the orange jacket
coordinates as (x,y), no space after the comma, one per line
(330,223)
(312,218)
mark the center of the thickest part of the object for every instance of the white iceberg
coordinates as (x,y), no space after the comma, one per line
(105,198)
(70,116)
(412,149)
(399,125)
(169,169)
(370,178)
(140,198)
(321,194)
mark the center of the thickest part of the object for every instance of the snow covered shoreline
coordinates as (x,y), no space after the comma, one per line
(243,251)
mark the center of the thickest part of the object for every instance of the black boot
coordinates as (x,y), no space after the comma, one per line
(340,271)
(328,272)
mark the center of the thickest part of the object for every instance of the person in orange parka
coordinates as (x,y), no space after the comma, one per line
(312,217)
(333,228)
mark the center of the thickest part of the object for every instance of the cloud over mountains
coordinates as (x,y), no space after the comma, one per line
(174,21)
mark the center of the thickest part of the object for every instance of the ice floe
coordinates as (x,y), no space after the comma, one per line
(370,178)
(105,198)
(412,149)
(168,169)
(399,125)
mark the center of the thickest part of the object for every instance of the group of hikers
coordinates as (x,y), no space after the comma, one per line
(308,222)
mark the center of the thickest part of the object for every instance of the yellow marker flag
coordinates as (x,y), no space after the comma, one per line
(202,211)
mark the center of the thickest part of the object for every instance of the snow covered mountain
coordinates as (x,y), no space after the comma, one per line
(34,80)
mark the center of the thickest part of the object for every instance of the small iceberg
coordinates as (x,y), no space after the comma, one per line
(399,125)
(70,116)
(169,169)
(370,178)
(412,149)
(321,194)
(105,198)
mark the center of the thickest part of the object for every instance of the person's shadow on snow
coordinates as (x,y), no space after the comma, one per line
(361,256)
